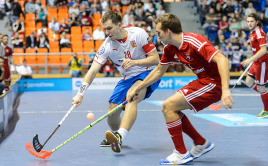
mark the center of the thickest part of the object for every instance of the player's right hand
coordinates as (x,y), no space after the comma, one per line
(132,95)
(77,100)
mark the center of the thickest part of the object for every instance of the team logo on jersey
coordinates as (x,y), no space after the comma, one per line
(101,50)
(148,39)
(188,57)
(133,44)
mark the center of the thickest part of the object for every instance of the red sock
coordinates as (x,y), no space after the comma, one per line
(189,129)
(175,130)
(264,97)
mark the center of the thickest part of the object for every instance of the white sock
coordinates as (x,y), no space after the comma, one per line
(123,132)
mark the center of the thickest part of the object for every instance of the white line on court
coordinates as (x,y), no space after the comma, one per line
(82,111)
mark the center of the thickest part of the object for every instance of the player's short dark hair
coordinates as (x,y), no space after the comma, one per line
(257,18)
(111,15)
(169,21)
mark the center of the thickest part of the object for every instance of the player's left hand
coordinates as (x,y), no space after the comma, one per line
(246,62)
(127,63)
(227,99)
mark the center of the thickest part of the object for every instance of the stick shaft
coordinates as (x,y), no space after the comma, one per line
(91,125)
(239,79)
(62,120)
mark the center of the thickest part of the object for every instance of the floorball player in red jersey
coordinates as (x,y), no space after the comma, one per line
(212,85)
(258,72)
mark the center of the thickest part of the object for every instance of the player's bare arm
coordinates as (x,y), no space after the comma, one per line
(222,63)
(259,54)
(154,75)
(152,59)
(91,74)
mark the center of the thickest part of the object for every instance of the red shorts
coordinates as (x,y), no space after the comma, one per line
(259,72)
(7,74)
(201,93)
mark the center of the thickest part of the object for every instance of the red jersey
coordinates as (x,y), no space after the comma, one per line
(7,52)
(257,40)
(196,52)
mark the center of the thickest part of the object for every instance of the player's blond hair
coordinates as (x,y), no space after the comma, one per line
(111,15)
(169,21)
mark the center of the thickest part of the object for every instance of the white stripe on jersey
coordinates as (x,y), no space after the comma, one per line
(194,42)
(200,91)
(258,33)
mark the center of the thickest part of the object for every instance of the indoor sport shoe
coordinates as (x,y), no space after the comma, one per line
(199,150)
(176,158)
(263,114)
(115,140)
(105,143)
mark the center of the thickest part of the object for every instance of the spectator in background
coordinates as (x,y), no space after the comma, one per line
(222,42)
(18,27)
(236,61)
(38,5)
(108,70)
(64,27)
(73,20)
(43,29)
(84,8)
(51,3)
(211,21)
(104,4)
(31,41)
(40,13)
(16,41)
(61,2)
(43,41)
(140,17)
(217,38)
(218,9)
(83,2)
(8,12)
(159,46)
(85,19)
(54,25)
(64,41)
(91,57)
(224,24)
(132,22)
(234,25)
(2,72)
(75,65)
(126,18)
(228,9)
(237,7)
(16,10)
(8,59)
(44,21)
(250,9)
(95,7)
(244,25)
(74,9)
(24,71)
(29,7)
(160,11)
(86,35)
(98,34)
(202,13)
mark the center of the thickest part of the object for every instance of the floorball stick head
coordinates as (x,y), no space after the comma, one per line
(42,154)
(36,144)
(215,107)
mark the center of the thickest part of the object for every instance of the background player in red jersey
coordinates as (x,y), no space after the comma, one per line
(258,72)
(6,53)
(212,85)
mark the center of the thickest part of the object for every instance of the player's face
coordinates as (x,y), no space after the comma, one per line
(5,40)
(252,23)
(111,30)
(163,36)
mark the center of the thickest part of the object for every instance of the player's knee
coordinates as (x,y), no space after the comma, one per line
(261,89)
(166,107)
